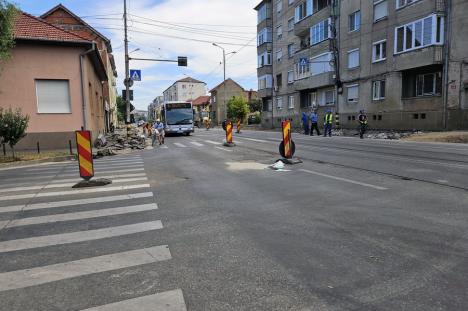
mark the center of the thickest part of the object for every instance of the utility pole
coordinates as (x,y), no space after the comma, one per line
(224,73)
(127,73)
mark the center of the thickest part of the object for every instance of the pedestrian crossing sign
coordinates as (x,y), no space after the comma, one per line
(135,75)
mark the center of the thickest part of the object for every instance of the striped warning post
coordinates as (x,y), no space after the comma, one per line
(85,154)
(337,119)
(238,126)
(229,132)
(287,138)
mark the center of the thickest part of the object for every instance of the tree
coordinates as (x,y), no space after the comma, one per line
(8,14)
(255,105)
(121,108)
(13,125)
(237,108)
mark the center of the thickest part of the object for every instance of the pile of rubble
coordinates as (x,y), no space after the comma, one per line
(391,135)
(114,143)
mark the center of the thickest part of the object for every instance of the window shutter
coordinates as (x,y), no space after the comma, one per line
(380,10)
(53,96)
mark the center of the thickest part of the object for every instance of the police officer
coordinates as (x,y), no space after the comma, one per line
(362,119)
(328,123)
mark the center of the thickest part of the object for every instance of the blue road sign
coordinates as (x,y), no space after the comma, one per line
(135,74)
(304,62)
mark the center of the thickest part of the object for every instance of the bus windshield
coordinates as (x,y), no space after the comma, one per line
(179,116)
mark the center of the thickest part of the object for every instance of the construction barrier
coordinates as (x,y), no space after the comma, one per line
(85,154)
(287,146)
(229,132)
(238,126)
(337,120)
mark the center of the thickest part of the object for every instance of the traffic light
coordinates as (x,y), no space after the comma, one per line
(124,94)
(182,61)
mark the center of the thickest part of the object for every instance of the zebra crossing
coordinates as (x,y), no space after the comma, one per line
(53,234)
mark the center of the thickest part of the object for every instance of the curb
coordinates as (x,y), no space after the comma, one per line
(37,162)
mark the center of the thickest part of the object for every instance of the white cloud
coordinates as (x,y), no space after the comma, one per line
(204,58)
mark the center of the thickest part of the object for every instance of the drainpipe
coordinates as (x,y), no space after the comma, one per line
(448,28)
(82,73)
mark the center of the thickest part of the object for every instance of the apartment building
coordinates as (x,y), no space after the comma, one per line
(400,60)
(186,89)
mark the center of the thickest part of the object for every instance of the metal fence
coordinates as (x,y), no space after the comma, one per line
(8,154)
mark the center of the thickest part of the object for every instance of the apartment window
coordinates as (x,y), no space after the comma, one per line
(279,55)
(353,93)
(53,96)
(262,14)
(264,36)
(319,32)
(379,51)
(321,64)
(291,102)
(353,58)
(279,80)
(265,82)
(291,50)
(380,9)
(291,24)
(355,21)
(419,34)
(303,10)
(403,3)
(279,32)
(378,90)
(326,97)
(279,6)
(279,103)
(264,59)
(290,76)
(291,2)
(429,84)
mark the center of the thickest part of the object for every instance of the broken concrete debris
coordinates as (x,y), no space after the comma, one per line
(113,143)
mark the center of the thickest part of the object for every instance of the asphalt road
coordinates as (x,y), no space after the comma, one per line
(194,225)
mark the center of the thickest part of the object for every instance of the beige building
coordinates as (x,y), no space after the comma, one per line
(186,89)
(56,78)
(347,55)
(221,94)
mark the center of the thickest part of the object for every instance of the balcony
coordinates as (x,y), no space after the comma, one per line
(302,27)
(419,58)
(264,93)
(313,82)
(267,69)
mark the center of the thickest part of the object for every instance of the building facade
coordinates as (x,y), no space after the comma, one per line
(59,97)
(154,108)
(186,89)
(62,17)
(347,55)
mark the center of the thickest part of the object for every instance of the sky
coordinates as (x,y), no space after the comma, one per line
(165,29)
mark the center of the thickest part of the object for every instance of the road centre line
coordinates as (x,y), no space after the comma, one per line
(77,236)
(114,198)
(166,301)
(344,180)
(66,185)
(71,192)
(224,149)
(78,215)
(46,274)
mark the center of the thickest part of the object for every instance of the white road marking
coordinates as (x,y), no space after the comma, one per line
(213,142)
(257,140)
(180,145)
(224,149)
(196,144)
(78,236)
(96,165)
(46,274)
(344,180)
(72,192)
(114,198)
(66,185)
(166,301)
(78,215)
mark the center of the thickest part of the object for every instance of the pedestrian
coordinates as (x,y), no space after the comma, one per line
(305,123)
(159,133)
(314,123)
(362,118)
(328,123)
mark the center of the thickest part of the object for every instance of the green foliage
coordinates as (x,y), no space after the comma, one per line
(13,125)
(237,108)
(121,108)
(8,14)
(255,105)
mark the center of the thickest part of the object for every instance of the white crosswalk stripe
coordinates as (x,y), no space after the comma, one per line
(196,144)
(165,301)
(78,216)
(180,145)
(76,207)
(79,236)
(40,275)
(213,142)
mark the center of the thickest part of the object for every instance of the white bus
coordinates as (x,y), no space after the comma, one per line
(177,117)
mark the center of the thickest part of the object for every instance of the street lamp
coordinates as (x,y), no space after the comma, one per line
(224,72)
